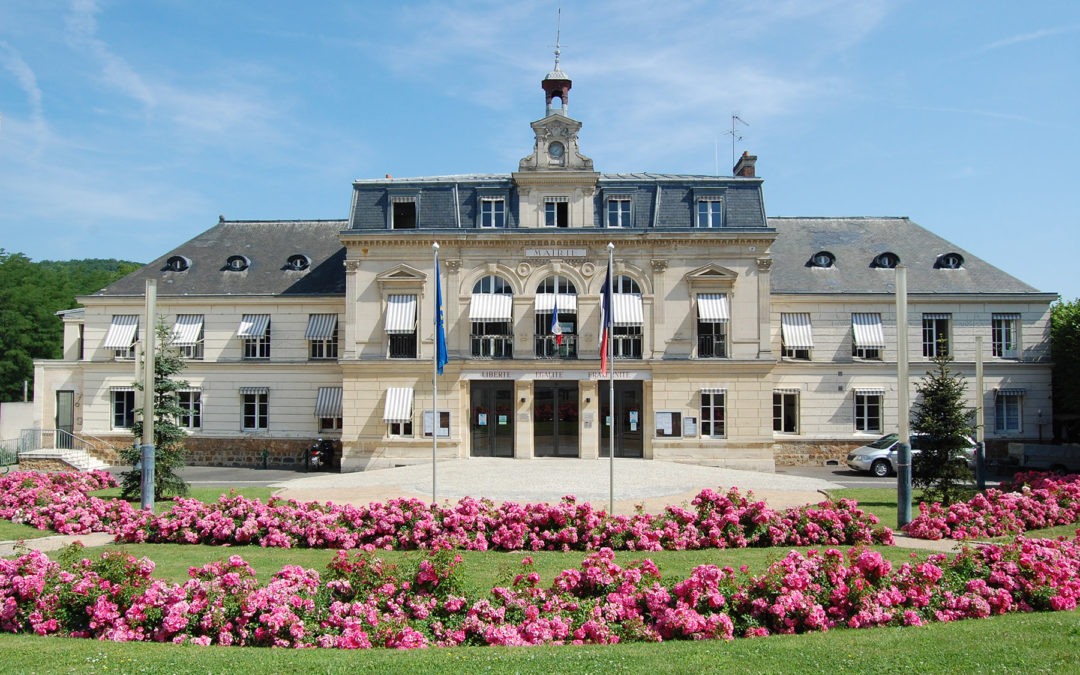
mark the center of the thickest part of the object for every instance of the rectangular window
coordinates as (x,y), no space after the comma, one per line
(492,339)
(710,212)
(712,340)
(796,336)
(868,410)
(444,424)
(123,408)
(556,212)
(402,429)
(329,424)
(785,412)
(187,335)
(618,212)
(712,413)
(190,403)
(935,334)
(1004,333)
(868,337)
(255,332)
(324,348)
(668,424)
(256,411)
(122,336)
(1008,406)
(401,326)
(626,342)
(547,345)
(403,213)
(492,212)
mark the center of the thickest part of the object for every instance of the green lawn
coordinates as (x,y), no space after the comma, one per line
(10,531)
(1045,642)
(203,494)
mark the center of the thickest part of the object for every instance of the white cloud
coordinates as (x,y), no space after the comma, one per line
(14,63)
(1027,37)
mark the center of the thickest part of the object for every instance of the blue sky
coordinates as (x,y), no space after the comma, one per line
(129,126)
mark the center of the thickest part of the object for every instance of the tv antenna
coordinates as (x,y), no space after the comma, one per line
(734,135)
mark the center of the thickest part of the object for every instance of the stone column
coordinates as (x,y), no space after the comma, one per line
(658,269)
(452,308)
(764,268)
(352,295)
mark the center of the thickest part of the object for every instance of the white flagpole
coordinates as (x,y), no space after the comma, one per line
(435,384)
(611,379)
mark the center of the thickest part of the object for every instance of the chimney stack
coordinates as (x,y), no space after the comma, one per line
(745,166)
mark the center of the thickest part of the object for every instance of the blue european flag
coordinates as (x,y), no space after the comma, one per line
(440,332)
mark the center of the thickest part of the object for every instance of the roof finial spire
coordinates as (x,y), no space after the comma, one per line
(558,37)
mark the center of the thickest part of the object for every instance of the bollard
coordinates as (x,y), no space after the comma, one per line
(903,484)
(980,467)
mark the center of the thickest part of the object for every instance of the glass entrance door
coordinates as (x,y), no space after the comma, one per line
(65,418)
(555,419)
(492,418)
(629,419)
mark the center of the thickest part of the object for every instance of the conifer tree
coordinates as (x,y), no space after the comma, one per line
(169,452)
(944,426)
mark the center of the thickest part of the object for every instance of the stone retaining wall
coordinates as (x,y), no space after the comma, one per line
(280,453)
(813,453)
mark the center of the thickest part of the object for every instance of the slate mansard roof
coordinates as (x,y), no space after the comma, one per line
(662,201)
(267,246)
(856,242)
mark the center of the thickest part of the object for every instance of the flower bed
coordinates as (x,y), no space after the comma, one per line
(1030,501)
(729,520)
(361,602)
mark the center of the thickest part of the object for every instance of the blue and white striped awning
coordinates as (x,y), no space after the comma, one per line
(795,331)
(627,310)
(868,331)
(253,325)
(936,315)
(545,302)
(1012,391)
(786,390)
(328,402)
(321,327)
(187,330)
(398,406)
(249,391)
(401,314)
(122,331)
(713,390)
(712,308)
(869,391)
(491,307)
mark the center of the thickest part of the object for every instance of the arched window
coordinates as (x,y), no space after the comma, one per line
(491,316)
(625,284)
(555,335)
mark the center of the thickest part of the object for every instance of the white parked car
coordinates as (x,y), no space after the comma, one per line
(879,457)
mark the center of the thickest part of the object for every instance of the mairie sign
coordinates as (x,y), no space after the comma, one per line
(556,252)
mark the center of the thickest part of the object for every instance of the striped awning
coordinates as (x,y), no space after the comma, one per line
(713,390)
(187,330)
(125,388)
(122,331)
(321,327)
(1008,317)
(248,391)
(491,307)
(860,391)
(796,332)
(936,316)
(1009,392)
(545,302)
(626,309)
(398,406)
(712,308)
(868,331)
(400,314)
(788,390)
(253,325)
(328,402)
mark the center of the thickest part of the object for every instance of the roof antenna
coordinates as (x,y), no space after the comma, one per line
(734,137)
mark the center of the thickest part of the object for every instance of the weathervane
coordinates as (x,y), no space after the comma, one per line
(558,37)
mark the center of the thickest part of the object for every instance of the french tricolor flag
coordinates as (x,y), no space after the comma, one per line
(556,328)
(605,322)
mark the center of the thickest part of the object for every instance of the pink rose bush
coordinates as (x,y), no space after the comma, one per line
(730,520)
(1030,501)
(360,602)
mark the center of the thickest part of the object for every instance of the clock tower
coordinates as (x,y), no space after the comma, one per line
(556,146)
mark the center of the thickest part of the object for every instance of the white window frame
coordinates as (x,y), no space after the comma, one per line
(779,416)
(930,332)
(324,349)
(260,411)
(709,403)
(404,199)
(711,216)
(1005,331)
(191,417)
(257,348)
(622,214)
(128,406)
(330,424)
(551,209)
(864,417)
(491,217)
(1002,404)
(400,429)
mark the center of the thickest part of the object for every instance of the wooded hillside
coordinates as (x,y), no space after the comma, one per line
(30,295)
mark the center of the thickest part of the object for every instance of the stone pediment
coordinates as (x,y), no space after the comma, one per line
(711,275)
(401,276)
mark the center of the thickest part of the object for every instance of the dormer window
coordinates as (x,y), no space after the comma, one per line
(492,212)
(887,260)
(177,263)
(298,262)
(403,213)
(710,211)
(237,263)
(950,261)
(822,259)
(618,211)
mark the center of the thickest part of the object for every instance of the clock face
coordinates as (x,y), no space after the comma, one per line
(555,149)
